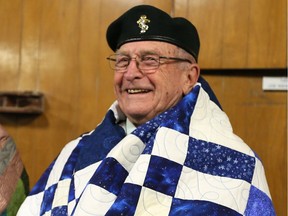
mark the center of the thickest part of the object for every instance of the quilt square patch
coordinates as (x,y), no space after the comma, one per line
(110,175)
(228,192)
(219,160)
(199,208)
(153,203)
(162,175)
(126,202)
(48,196)
(171,144)
(259,203)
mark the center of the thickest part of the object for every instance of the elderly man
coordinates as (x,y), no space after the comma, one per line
(165,147)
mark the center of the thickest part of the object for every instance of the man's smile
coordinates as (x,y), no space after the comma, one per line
(137,91)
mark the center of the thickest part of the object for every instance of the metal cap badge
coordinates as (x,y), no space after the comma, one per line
(142,23)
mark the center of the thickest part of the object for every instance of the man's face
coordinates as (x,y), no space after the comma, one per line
(143,96)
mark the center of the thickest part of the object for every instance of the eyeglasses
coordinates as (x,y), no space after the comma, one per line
(146,63)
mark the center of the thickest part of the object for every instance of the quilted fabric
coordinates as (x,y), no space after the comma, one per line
(185,161)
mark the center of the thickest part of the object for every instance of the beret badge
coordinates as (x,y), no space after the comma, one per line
(142,23)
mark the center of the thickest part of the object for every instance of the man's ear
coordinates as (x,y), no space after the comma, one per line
(191,76)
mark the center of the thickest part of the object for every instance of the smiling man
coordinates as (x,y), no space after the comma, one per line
(165,147)
(151,77)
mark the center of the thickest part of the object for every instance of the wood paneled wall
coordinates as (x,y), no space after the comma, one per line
(58,47)
(239,34)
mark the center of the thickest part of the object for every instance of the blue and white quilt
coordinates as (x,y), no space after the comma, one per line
(186,161)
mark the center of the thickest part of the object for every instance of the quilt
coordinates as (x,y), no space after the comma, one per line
(185,161)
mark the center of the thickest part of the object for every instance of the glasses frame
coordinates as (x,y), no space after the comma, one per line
(112,59)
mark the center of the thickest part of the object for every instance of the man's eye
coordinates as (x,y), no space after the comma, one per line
(148,59)
(122,60)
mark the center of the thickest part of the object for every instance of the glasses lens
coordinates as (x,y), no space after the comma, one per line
(118,62)
(146,63)
(121,61)
(149,63)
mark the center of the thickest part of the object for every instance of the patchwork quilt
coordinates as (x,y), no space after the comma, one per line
(185,161)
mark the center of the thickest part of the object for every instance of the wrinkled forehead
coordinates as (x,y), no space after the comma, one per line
(146,47)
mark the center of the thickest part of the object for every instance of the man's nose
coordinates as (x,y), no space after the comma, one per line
(133,70)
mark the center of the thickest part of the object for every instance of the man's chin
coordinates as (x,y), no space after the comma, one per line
(138,118)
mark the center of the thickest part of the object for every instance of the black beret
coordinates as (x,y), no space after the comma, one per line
(147,23)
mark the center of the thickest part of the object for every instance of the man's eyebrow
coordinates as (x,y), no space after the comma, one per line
(121,52)
(141,52)
(149,52)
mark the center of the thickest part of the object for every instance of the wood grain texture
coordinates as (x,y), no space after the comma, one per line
(58,47)
(239,34)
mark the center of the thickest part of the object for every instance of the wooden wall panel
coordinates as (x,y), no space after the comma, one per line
(235,34)
(30,49)
(239,34)
(53,45)
(10,42)
(267,45)
(208,18)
